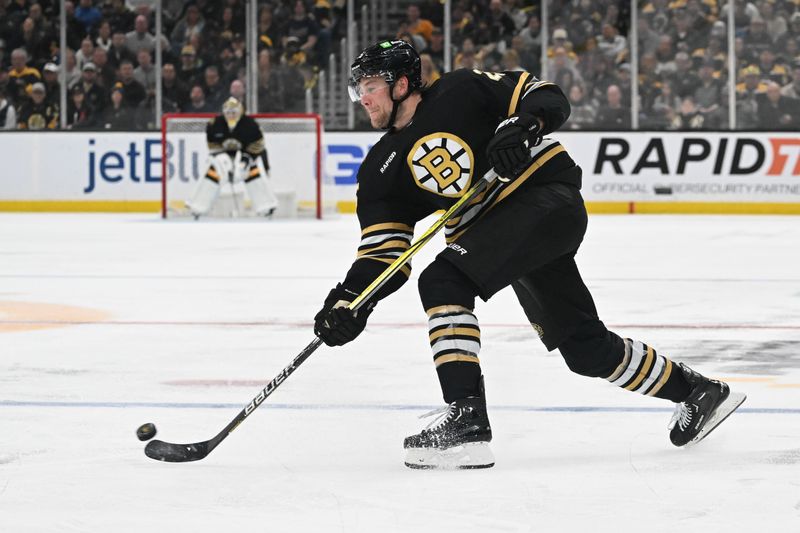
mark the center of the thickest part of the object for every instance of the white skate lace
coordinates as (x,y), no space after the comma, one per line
(441,414)
(682,416)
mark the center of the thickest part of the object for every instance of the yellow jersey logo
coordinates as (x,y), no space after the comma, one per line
(442,163)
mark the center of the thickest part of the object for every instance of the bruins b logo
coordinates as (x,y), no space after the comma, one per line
(441,163)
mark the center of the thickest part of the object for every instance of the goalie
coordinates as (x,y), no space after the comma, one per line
(236,154)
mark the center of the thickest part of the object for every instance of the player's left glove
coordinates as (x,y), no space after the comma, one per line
(509,150)
(336,324)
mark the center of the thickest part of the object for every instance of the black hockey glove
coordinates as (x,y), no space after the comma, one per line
(335,324)
(509,151)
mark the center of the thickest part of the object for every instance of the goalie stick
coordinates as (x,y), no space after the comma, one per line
(182,453)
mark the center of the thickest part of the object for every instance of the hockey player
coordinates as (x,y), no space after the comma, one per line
(236,153)
(523,231)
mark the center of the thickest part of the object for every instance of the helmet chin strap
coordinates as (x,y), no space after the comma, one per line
(395,106)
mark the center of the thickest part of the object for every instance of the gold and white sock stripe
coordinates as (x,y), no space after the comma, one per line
(642,370)
(454,334)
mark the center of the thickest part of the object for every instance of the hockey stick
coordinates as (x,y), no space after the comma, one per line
(181,453)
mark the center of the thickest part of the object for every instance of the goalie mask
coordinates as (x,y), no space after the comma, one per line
(232,110)
(389,60)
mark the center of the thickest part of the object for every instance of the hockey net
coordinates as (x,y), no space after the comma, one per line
(293,143)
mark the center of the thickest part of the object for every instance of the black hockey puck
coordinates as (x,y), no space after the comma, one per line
(146,431)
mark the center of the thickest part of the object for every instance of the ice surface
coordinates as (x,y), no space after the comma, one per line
(107,322)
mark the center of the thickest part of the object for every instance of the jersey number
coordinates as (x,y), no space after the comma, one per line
(494,76)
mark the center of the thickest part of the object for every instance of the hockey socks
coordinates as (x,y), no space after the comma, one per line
(455,341)
(642,370)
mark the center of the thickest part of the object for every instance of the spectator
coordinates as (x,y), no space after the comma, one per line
(777,112)
(133,91)
(664,111)
(103,39)
(8,115)
(269,35)
(501,25)
(584,112)
(4,60)
(708,96)
(665,56)
(561,40)
(792,89)
(511,63)
(746,97)
(106,75)
(684,79)
(191,24)
(416,25)
(435,49)
(688,117)
(280,87)
(611,43)
(88,16)
(190,67)
(50,80)
(118,116)
(776,24)
(145,73)
(214,87)
(120,17)
(84,55)
(140,38)
(429,71)
(531,34)
(237,90)
(173,90)
(304,28)
(21,76)
(32,40)
(772,69)
(793,33)
(79,114)
(527,58)
(612,115)
(756,40)
(73,72)
(36,113)
(197,101)
(118,52)
(94,95)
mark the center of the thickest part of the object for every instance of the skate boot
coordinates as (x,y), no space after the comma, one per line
(457,438)
(709,403)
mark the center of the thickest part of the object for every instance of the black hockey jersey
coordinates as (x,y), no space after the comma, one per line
(246,136)
(426,166)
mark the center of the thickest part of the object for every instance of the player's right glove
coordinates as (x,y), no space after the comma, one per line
(509,151)
(336,324)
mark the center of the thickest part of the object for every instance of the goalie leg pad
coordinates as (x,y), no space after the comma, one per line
(260,190)
(204,196)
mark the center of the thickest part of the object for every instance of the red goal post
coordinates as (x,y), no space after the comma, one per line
(294,149)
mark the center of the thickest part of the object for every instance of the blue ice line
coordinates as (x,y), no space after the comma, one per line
(373,407)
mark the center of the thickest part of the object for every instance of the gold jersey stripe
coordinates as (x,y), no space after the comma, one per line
(646,368)
(513,186)
(464,331)
(456,357)
(385,226)
(447,309)
(512,106)
(624,364)
(405,269)
(387,244)
(664,378)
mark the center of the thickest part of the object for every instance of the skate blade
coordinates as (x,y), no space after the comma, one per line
(731,403)
(465,456)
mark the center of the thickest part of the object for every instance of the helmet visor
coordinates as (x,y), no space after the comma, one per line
(366,85)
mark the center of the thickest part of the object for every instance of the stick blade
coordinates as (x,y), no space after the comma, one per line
(175,453)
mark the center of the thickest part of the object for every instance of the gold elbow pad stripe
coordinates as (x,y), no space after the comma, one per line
(386,242)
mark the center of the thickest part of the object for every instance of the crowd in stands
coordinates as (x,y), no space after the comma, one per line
(682,61)
(110,59)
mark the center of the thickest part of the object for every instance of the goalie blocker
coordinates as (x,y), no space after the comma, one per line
(236,154)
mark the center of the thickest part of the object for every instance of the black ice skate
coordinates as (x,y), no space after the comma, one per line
(709,403)
(458,437)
